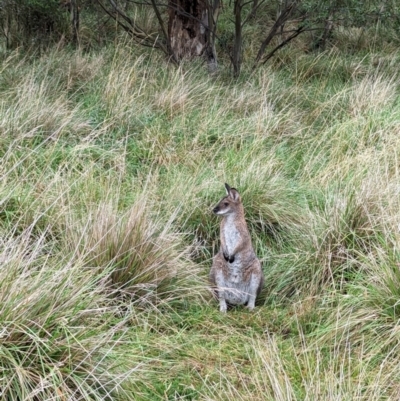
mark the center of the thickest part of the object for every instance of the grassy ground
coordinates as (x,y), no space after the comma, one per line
(111,163)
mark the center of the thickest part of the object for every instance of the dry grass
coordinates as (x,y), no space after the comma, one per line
(144,258)
(48,306)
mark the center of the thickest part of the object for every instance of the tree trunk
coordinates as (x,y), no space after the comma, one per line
(327,34)
(237,46)
(187,28)
(211,55)
(74,21)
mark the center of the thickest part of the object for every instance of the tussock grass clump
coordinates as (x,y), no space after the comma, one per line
(36,113)
(125,87)
(343,373)
(369,313)
(56,335)
(181,93)
(33,113)
(146,259)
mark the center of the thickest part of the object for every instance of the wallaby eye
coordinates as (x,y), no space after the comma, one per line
(226,203)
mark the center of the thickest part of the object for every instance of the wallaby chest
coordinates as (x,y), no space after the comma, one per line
(231,236)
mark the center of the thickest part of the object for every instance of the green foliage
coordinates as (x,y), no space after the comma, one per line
(38,21)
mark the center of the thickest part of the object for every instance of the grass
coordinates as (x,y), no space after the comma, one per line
(111,164)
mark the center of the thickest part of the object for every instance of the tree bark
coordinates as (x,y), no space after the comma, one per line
(187,28)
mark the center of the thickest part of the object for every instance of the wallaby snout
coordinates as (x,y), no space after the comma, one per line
(221,208)
(236,273)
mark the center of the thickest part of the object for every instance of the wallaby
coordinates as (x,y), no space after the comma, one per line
(236,274)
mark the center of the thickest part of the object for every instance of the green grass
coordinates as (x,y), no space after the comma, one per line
(111,164)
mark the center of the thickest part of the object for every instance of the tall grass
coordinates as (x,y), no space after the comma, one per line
(111,163)
(57,333)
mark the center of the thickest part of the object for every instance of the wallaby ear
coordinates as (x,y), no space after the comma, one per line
(232,192)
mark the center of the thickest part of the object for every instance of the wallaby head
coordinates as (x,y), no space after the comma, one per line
(230,203)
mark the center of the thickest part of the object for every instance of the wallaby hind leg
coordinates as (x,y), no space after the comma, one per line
(251,303)
(255,287)
(223,307)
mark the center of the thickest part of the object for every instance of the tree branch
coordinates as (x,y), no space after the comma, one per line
(132,28)
(296,33)
(253,10)
(283,17)
(165,33)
